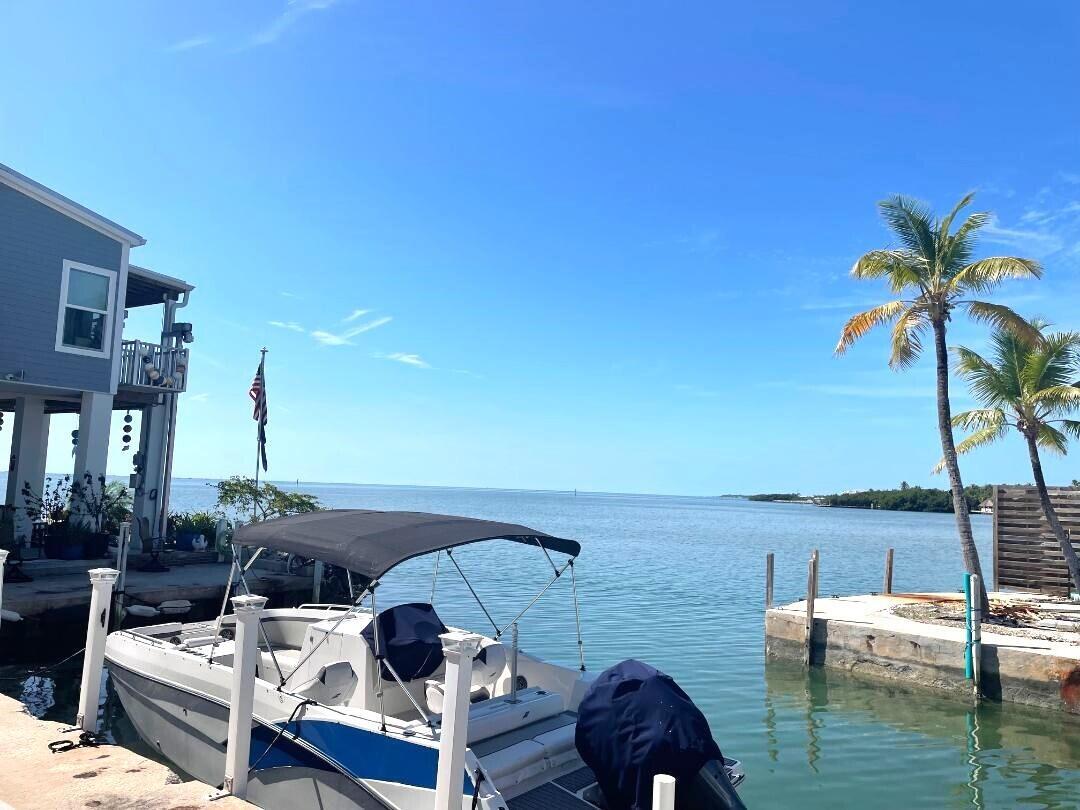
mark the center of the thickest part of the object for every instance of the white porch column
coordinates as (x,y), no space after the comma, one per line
(242,701)
(95,419)
(29,445)
(153,436)
(97,628)
(459,649)
(3,561)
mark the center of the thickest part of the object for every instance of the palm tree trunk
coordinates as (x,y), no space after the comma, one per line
(968,549)
(1051,514)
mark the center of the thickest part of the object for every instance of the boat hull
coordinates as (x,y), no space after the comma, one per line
(190,731)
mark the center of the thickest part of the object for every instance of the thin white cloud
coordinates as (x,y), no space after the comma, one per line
(696,390)
(356,313)
(1031,240)
(285,294)
(345,338)
(853,304)
(197,397)
(408,359)
(189,44)
(292,326)
(294,11)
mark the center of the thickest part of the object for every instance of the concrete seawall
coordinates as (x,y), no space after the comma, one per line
(860,634)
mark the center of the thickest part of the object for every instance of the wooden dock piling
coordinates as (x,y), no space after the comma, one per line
(811,596)
(768,580)
(887,586)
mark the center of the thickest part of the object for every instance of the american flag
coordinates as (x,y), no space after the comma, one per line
(259,413)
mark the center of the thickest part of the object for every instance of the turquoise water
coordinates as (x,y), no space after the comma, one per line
(679,582)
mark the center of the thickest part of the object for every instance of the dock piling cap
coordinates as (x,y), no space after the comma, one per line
(107,575)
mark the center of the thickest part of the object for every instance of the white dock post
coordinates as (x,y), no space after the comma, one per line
(242,699)
(121,564)
(3,562)
(459,649)
(976,634)
(97,628)
(663,792)
(316,582)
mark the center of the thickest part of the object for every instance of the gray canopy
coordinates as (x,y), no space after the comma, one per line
(370,543)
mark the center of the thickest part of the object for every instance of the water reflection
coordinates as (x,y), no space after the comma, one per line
(1011,755)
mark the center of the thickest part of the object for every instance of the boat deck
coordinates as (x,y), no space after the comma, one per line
(562,794)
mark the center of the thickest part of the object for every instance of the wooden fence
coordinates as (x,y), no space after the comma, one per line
(1027,556)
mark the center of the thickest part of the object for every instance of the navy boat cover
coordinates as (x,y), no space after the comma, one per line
(409,640)
(635,722)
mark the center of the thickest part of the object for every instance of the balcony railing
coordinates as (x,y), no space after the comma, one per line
(151,366)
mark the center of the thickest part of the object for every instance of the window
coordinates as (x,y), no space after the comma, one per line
(86,316)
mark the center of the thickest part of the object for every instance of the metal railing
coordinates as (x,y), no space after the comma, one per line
(150,365)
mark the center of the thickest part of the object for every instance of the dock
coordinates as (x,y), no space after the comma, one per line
(69,588)
(105,776)
(863,635)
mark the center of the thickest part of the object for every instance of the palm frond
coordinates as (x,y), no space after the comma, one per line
(1058,398)
(985,436)
(946,223)
(1050,438)
(990,384)
(985,274)
(859,325)
(906,336)
(961,245)
(912,223)
(980,418)
(1001,317)
(1071,427)
(1053,363)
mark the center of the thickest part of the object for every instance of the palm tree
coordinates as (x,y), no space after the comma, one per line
(1028,387)
(933,273)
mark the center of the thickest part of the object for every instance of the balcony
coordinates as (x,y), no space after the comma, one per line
(150,367)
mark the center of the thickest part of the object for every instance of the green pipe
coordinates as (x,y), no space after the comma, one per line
(969,669)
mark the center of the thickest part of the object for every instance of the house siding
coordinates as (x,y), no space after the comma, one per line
(34,242)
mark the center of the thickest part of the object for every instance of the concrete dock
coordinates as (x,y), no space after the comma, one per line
(862,635)
(205,581)
(106,776)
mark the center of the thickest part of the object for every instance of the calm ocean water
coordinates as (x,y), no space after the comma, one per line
(679,582)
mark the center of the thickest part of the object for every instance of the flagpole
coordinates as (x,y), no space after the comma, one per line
(258,434)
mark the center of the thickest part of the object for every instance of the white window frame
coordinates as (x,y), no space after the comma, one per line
(110,314)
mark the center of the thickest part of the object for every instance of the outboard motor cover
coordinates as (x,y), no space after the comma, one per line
(635,722)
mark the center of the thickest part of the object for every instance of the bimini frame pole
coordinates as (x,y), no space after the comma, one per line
(558,573)
(577,616)
(378,663)
(435,577)
(468,584)
(330,632)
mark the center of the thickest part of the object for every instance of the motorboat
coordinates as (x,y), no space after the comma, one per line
(348,698)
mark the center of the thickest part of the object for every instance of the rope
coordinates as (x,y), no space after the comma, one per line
(41,670)
(87,739)
(478,777)
(281,731)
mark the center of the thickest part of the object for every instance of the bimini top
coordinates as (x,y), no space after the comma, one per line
(370,543)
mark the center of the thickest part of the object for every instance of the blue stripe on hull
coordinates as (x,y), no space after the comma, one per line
(363,754)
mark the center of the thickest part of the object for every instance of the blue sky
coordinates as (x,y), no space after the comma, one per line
(594,246)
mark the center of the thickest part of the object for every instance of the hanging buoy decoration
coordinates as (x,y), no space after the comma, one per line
(74,441)
(1,421)
(126,438)
(150,369)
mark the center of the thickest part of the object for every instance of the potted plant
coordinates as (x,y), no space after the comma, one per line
(51,509)
(98,505)
(186,527)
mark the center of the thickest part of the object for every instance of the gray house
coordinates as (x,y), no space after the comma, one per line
(67,285)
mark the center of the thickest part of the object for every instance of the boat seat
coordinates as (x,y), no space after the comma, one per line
(333,684)
(287,660)
(490,718)
(523,760)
